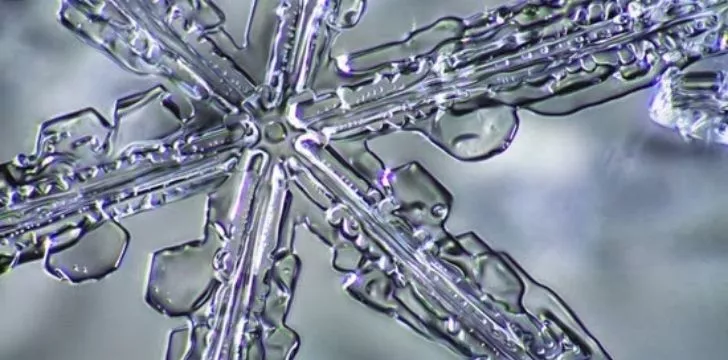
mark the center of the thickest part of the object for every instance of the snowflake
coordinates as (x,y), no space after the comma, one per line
(286,150)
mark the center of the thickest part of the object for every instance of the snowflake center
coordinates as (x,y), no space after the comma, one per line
(275,132)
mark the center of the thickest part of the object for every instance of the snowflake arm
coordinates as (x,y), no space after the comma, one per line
(252,231)
(314,36)
(419,261)
(237,307)
(87,170)
(170,39)
(299,37)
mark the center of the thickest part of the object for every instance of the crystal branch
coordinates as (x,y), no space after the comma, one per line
(413,260)
(251,233)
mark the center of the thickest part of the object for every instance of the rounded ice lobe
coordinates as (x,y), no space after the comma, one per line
(95,253)
(475,135)
(180,278)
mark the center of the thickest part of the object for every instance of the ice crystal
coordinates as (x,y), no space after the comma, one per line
(695,103)
(285,149)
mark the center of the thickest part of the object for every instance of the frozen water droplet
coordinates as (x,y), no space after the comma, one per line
(97,252)
(350,228)
(452,325)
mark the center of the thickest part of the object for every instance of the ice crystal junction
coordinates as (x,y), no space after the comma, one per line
(285,149)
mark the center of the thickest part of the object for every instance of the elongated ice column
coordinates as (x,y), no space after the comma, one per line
(695,103)
(236,284)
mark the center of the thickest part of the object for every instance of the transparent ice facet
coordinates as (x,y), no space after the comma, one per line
(273,126)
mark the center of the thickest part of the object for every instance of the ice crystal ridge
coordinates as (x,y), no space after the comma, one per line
(270,147)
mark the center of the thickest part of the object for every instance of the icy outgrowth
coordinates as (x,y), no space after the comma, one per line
(99,252)
(553,58)
(694,103)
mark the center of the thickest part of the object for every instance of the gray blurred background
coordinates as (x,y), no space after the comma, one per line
(618,216)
